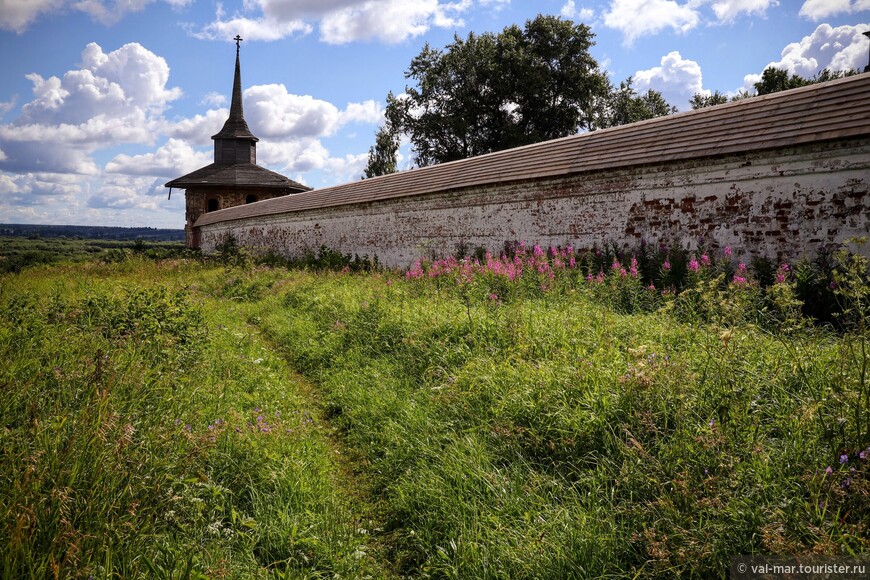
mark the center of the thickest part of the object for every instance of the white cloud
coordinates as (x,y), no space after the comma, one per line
(266,28)
(47,170)
(124,192)
(213,100)
(366,112)
(307,156)
(197,129)
(109,14)
(389,21)
(341,21)
(36,154)
(31,189)
(174,158)
(836,48)
(128,81)
(7,106)
(570,10)
(299,155)
(290,9)
(347,168)
(115,97)
(729,10)
(678,79)
(636,18)
(17,15)
(275,114)
(818,9)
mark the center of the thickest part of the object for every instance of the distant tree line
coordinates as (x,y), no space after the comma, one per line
(488,92)
(92,232)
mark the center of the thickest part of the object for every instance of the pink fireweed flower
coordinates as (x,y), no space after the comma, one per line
(615,265)
(572,263)
(781,273)
(693,265)
(741,267)
(633,268)
(590,277)
(493,297)
(727,251)
(705,260)
(666,266)
(739,280)
(600,277)
(537,251)
(651,287)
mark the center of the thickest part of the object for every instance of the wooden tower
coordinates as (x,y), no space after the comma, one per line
(234,178)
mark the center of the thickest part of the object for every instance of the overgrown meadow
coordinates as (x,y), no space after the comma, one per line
(541,413)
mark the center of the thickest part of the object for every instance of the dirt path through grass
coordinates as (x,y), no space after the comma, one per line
(347,474)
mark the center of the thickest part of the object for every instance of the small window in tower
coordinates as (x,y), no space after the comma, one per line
(213,204)
(251,198)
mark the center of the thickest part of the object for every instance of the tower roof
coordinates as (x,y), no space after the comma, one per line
(224,175)
(235,156)
(236,127)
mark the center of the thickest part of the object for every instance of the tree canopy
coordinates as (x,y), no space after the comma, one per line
(491,92)
(626,106)
(773,80)
(383,155)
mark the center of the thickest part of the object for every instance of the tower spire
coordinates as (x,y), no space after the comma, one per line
(236,127)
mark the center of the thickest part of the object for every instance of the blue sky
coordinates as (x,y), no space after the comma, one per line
(103,101)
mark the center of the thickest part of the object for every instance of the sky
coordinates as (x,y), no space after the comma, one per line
(104,101)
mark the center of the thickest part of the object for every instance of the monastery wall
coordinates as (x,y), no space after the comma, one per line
(786,203)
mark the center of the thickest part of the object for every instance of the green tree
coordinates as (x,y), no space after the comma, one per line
(553,80)
(774,80)
(626,106)
(700,101)
(491,92)
(383,155)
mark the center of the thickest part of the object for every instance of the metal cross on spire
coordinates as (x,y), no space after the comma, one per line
(238,39)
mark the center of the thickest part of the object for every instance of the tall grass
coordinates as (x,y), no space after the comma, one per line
(536,430)
(149,432)
(567,422)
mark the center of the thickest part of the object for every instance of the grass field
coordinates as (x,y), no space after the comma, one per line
(17,253)
(185,418)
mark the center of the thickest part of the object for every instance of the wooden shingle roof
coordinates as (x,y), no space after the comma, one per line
(827,111)
(225,175)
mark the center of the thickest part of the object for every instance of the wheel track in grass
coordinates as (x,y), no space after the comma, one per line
(348,475)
